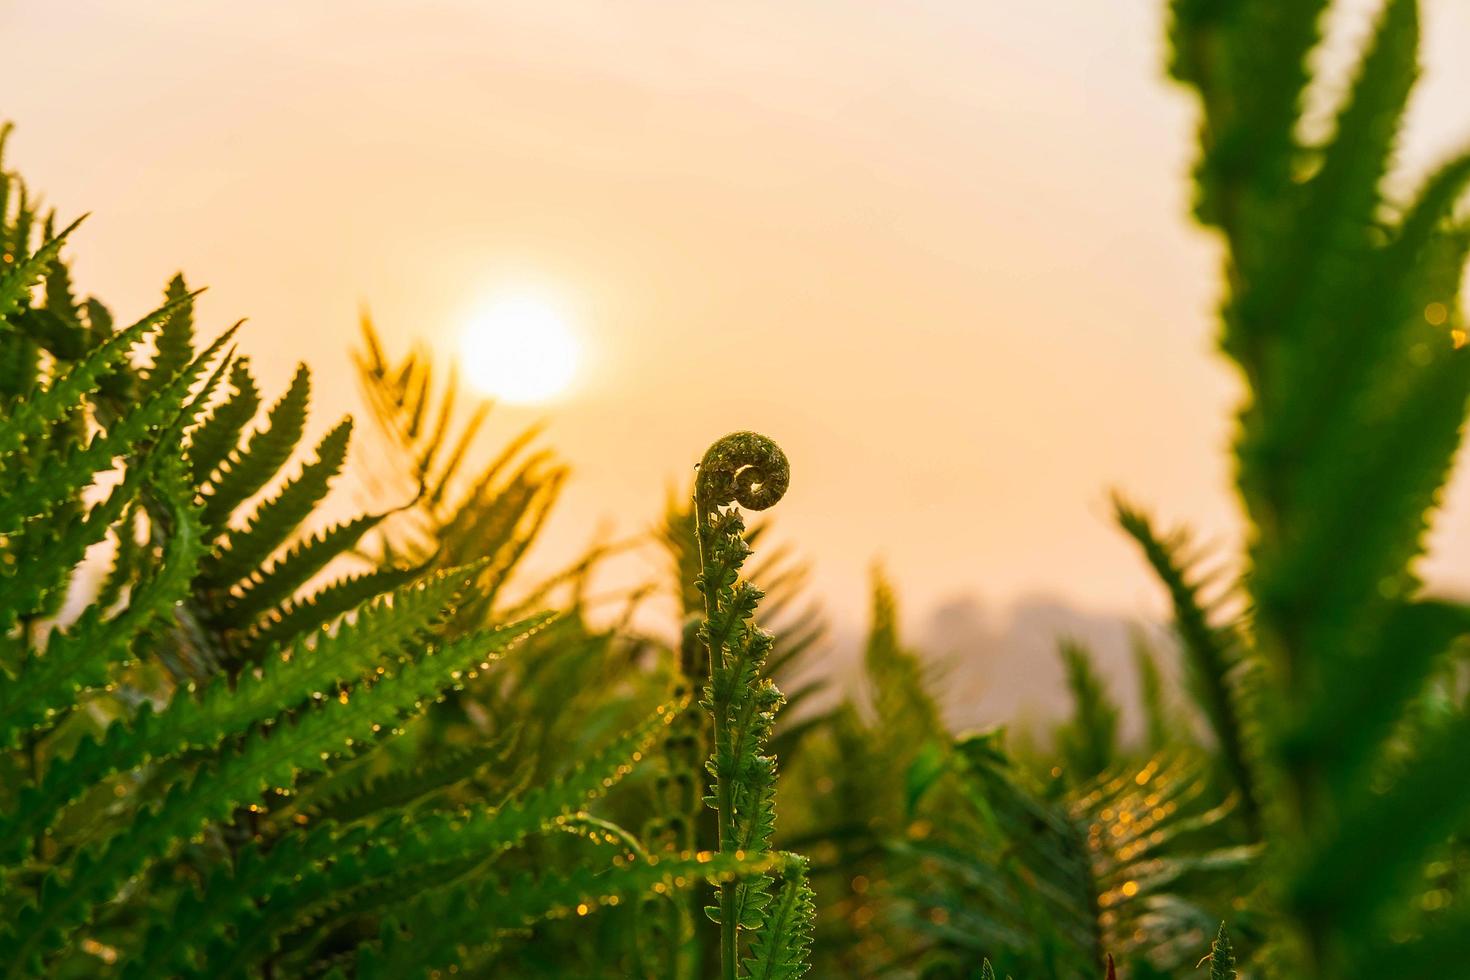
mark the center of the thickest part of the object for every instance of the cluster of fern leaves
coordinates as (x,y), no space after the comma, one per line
(220,756)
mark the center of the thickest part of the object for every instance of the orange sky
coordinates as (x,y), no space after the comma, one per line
(938,250)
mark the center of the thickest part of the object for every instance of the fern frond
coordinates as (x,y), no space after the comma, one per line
(51,405)
(245,472)
(247,548)
(432,930)
(1401,824)
(1161,727)
(175,343)
(783,943)
(405,787)
(178,946)
(273,586)
(212,442)
(1343,730)
(747,469)
(901,700)
(63,481)
(1337,220)
(36,586)
(372,639)
(434,838)
(321,608)
(274,758)
(1213,653)
(379,868)
(81,657)
(16,283)
(126,562)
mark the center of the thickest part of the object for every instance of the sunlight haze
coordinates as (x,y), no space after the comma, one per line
(965,314)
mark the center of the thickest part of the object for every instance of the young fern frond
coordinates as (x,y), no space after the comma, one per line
(749,470)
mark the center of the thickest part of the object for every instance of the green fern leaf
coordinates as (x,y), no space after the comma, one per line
(434,838)
(26,589)
(783,943)
(407,787)
(434,929)
(321,608)
(61,397)
(15,285)
(36,494)
(215,438)
(274,758)
(175,346)
(1089,742)
(375,870)
(372,639)
(1213,654)
(268,589)
(177,945)
(1400,824)
(244,473)
(80,658)
(246,549)
(127,561)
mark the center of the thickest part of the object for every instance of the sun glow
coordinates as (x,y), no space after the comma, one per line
(519,349)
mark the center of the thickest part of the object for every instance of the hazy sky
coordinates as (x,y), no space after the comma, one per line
(938,250)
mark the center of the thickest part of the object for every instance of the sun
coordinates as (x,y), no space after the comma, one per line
(520,349)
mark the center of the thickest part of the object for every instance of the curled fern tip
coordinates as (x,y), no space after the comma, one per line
(744,468)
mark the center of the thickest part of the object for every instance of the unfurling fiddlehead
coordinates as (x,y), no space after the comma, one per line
(750,470)
(743,468)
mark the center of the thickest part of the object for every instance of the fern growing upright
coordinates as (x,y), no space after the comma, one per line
(749,470)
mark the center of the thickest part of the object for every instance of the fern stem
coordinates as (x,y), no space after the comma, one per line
(724,794)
